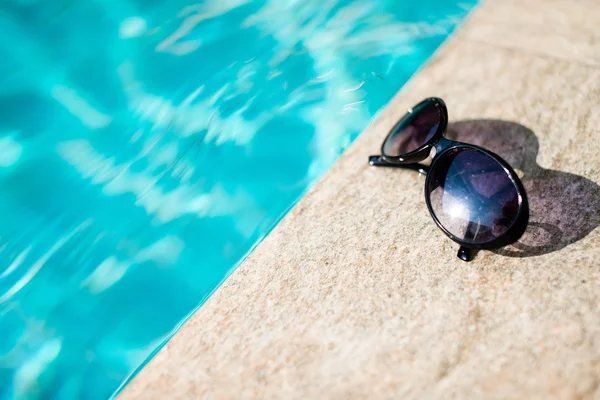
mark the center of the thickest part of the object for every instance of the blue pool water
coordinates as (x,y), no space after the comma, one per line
(147,146)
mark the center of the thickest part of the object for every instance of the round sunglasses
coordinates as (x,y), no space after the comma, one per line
(473,195)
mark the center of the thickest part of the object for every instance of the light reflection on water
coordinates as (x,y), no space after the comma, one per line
(145,147)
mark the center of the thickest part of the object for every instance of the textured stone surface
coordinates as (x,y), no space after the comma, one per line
(567,29)
(357,294)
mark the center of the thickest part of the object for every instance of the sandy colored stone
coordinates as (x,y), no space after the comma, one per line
(357,294)
(566,29)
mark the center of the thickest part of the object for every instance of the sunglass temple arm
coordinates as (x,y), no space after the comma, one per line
(378,161)
(466,254)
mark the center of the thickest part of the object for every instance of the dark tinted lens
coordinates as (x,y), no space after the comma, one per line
(472,195)
(413,131)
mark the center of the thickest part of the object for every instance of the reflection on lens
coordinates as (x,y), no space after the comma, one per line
(472,195)
(414,131)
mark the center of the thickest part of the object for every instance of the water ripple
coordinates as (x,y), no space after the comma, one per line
(146,147)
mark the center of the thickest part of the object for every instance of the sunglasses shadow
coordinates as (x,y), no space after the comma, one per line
(564,207)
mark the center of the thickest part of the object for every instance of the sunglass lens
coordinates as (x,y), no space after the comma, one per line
(472,195)
(414,131)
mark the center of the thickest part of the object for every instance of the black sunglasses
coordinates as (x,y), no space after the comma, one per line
(473,195)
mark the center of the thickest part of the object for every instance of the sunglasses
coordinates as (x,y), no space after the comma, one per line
(473,195)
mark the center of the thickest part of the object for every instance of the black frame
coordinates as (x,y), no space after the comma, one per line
(467,250)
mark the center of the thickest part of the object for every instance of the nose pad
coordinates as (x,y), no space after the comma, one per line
(433,152)
(429,159)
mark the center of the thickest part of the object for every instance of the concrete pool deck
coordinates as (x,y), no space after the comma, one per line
(357,294)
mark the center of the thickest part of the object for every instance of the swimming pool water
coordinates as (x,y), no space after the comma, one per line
(147,146)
